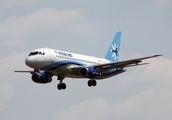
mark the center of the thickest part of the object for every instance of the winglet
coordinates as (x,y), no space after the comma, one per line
(157,55)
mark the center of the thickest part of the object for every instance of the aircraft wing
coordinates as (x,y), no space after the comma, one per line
(122,64)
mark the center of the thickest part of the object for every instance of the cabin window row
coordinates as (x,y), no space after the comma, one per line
(76,59)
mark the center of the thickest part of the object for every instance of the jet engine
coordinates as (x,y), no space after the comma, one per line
(88,71)
(41,77)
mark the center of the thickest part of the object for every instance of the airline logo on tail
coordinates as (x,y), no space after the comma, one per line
(115,51)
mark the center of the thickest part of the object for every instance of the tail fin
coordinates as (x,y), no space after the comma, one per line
(113,52)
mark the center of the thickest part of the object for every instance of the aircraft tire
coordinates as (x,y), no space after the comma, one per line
(89,83)
(92,83)
(61,86)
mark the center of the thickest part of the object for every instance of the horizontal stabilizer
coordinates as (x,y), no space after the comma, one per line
(24,71)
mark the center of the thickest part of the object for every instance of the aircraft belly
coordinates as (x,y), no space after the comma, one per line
(103,76)
(67,72)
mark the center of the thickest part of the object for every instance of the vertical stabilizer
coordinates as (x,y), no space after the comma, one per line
(114,49)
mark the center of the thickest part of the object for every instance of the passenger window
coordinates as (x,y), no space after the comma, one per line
(40,53)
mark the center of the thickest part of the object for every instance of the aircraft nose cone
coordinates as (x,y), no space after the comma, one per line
(30,62)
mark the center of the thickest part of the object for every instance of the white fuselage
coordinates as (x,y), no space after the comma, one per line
(60,63)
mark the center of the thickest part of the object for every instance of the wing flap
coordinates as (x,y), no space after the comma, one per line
(137,64)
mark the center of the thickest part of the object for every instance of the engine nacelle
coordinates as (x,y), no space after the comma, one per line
(88,71)
(41,77)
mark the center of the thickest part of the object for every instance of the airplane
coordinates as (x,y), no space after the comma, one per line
(47,63)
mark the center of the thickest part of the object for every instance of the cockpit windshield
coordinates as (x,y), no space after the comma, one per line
(36,53)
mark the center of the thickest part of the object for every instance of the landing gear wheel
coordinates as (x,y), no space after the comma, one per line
(61,86)
(89,83)
(92,83)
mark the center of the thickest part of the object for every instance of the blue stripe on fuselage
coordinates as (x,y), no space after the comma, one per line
(62,63)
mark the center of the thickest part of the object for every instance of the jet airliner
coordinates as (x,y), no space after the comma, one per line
(47,63)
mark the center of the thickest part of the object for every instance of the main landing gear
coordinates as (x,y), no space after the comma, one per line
(92,83)
(61,85)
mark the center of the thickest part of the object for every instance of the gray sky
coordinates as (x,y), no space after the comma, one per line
(87,27)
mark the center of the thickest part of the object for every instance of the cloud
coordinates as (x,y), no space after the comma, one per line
(158,69)
(13,42)
(90,109)
(9,63)
(151,104)
(6,93)
(162,2)
(161,67)
(11,3)
(42,18)
(83,25)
